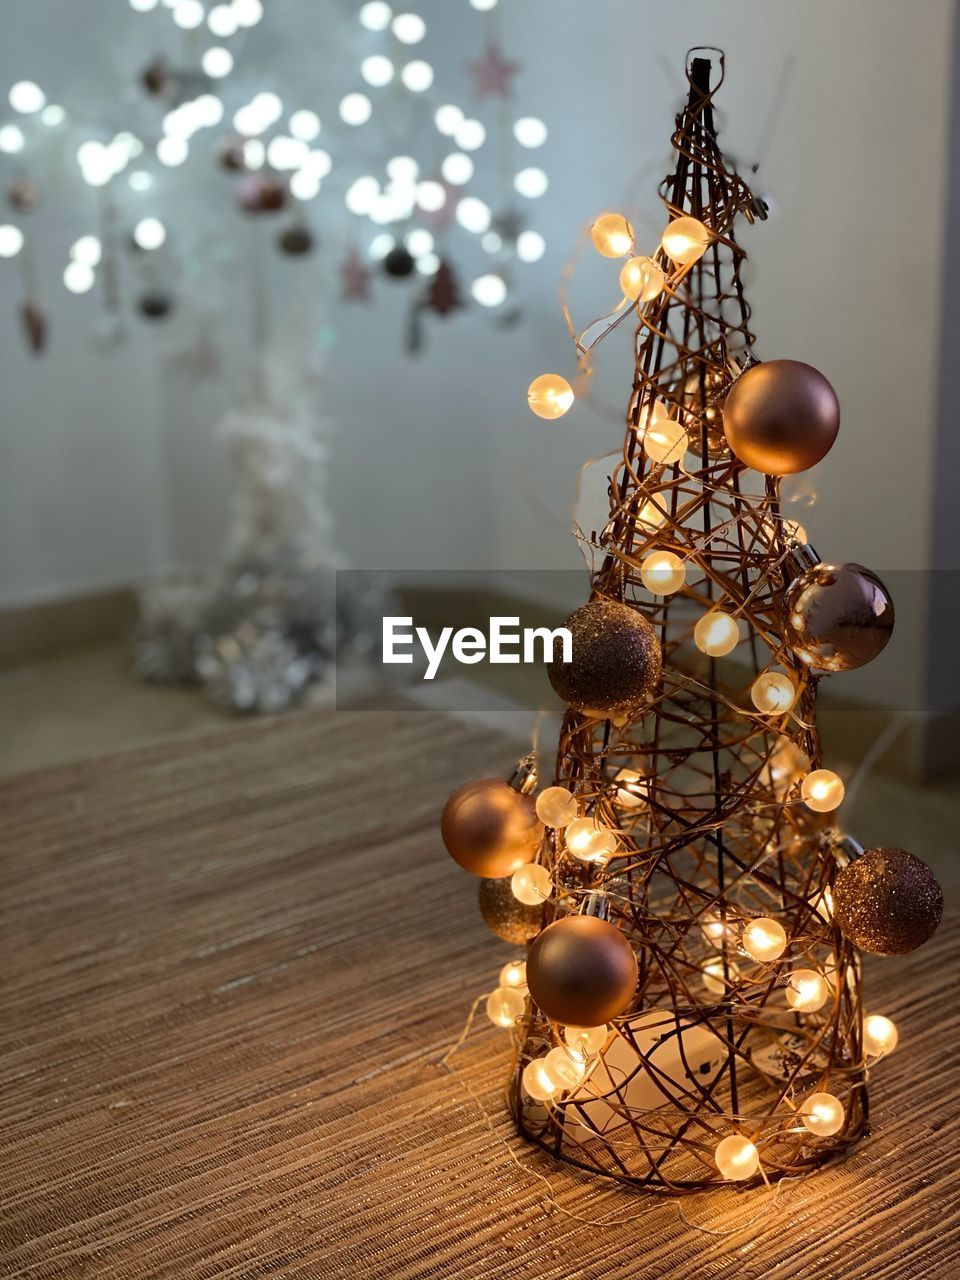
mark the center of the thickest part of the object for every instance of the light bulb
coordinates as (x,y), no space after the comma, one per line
(11,139)
(27,97)
(737,1158)
(822,1114)
(530,132)
(880,1036)
(470,135)
(428,264)
(764,939)
(53,115)
(538,1082)
(304,185)
(254,154)
(612,235)
(714,930)
(318,162)
(642,280)
(286,153)
(531,884)
(221,21)
(377,70)
(565,1067)
(665,441)
(473,215)
(590,841)
(143,6)
(773,693)
(685,241)
(492,241)
(78,277)
(806,990)
(355,109)
(556,807)
(188,14)
(247,12)
(457,168)
(505,1006)
(632,790)
(217,62)
(361,195)
(172,151)
(483,5)
(87,249)
(550,396)
(375,15)
(140,180)
(663,573)
(448,119)
(149,233)
(714,979)
(586,1040)
(409,28)
(514,974)
(651,515)
(489,290)
(716,634)
(417,76)
(419,242)
(381,245)
(431,196)
(11,240)
(822,791)
(531,246)
(531,183)
(305,125)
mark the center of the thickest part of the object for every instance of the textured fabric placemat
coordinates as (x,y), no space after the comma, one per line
(230,967)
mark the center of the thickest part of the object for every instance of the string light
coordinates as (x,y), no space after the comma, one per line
(590,841)
(355,109)
(651,515)
(632,790)
(685,241)
(140,180)
(715,976)
(716,634)
(457,168)
(505,1006)
(52,115)
(773,693)
(172,151)
(642,280)
(417,76)
(550,396)
(531,884)
(409,28)
(305,125)
(431,196)
(377,70)
(419,241)
(27,97)
(78,277)
(448,119)
(822,1114)
(87,249)
(612,235)
(737,1158)
(247,12)
(473,215)
(880,1036)
(375,15)
(514,974)
(217,62)
(221,21)
(530,132)
(149,233)
(586,1041)
(11,240)
(531,246)
(304,185)
(663,573)
(822,791)
(470,135)
(11,139)
(531,183)
(188,14)
(538,1082)
(764,939)
(489,290)
(565,1067)
(714,930)
(806,990)
(557,807)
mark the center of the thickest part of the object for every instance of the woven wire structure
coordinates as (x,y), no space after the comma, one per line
(702,788)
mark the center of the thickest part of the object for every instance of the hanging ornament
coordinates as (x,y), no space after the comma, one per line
(582,971)
(399,263)
(887,902)
(158,80)
(354,278)
(837,617)
(35,326)
(443,293)
(490,829)
(617,660)
(24,195)
(505,915)
(296,240)
(261,193)
(493,74)
(155,304)
(781,416)
(231,156)
(699,395)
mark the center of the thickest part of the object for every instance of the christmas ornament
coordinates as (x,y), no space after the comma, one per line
(581,971)
(490,829)
(155,304)
(158,80)
(505,915)
(493,74)
(36,327)
(837,617)
(231,156)
(887,902)
(443,294)
(295,240)
(354,278)
(780,417)
(399,263)
(24,195)
(616,660)
(261,193)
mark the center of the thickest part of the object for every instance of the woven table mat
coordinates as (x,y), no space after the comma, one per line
(230,968)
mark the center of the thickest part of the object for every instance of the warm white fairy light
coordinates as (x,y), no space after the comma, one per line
(566,1067)
(737,1158)
(403,169)
(140,180)
(428,264)
(304,125)
(531,246)
(663,573)
(612,235)
(530,132)
(590,841)
(318,162)
(715,976)
(491,242)
(457,168)
(505,1006)
(222,21)
(11,139)
(87,249)
(587,1041)
(632,788)
(189,14)
(143,6)
(483,5)
(375,15)
(419,241)
(473,215)
(172,151)
(489,290)
(11,240)
(247,12)
(822,1114)
(377,70)
(714,929)
(550,395)
(531,183)
(716,634)
(880,1036)
(417,76)
(448,119)
(409,28)
(431,196)
(78,277)
(642,280)
(806,991)
(764,939)
(285,153)
(557,807)
(254,153)
(381,245)
(355,109)
(149,233)
(538,1082)
(27,97)
(773,693)
(531,884)
(52,115)
(470,135)
(514,974)
(822,790)
(217,62)
(685,241)
(665,440)
(304,185)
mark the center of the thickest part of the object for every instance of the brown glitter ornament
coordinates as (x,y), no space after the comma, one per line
(490,829)
(582,971)
(505,915)
(780,417)
(837,617)
(887,902)
(617,660)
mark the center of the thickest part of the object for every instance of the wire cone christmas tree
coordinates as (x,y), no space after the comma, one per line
(694,1011)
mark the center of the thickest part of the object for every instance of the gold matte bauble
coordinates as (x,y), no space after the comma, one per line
(617,660)
(582,971)
(837,617)
(887,902)
(490,829)
(505,915)
(780,417)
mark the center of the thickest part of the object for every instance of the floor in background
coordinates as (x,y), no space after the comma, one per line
(89,704)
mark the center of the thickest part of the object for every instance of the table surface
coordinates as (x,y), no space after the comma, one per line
(231,966)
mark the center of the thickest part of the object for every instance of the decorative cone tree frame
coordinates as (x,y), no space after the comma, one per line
(690,1011)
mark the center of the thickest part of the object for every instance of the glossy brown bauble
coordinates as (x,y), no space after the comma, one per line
(155,304)
(780,417)
(490,829)
(295,241)
(261,193)
(837,617)
(505,915)
(887,902)
(399,263)
(617,660)
(231,156)
(582,971)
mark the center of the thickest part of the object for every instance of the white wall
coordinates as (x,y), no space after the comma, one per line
(438,462)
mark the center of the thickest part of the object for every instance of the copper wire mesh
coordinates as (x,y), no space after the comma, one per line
(713,832)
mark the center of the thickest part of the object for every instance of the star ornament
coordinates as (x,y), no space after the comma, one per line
(354,278)
(493,74)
